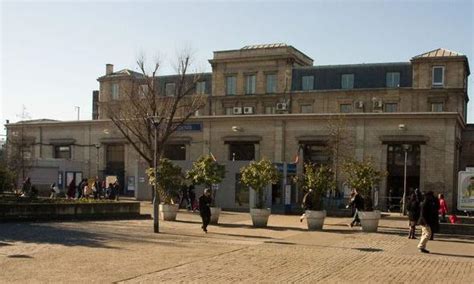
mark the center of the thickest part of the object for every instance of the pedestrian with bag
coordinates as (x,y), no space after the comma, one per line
(443,207)
(205,208)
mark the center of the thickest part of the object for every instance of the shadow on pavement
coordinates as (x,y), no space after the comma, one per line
(243,236)
(368,249)
(453,255)
(45,233)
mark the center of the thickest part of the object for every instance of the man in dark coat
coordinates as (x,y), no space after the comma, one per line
(357,202)
(184,197)
(413,207)
(192,197)
(435,225)
(428,217)
(204,208)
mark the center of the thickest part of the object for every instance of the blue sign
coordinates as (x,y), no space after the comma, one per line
(290,168)
(190,127)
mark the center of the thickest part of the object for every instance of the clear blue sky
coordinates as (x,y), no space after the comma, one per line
(53,52)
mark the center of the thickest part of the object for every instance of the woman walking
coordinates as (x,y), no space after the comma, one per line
(204,208)
(443,207)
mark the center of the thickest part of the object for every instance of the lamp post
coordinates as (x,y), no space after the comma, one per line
(156,224)
(405,147)
(97,147)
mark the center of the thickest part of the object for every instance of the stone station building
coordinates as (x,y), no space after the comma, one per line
(272,101)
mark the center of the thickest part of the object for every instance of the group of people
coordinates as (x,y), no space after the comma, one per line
(188,198)
(424,210)
(97,189)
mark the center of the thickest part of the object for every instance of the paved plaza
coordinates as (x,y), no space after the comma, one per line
(128,251)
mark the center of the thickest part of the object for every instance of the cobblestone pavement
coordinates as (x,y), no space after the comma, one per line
(127,251)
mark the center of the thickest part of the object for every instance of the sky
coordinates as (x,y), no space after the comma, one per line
(53,52)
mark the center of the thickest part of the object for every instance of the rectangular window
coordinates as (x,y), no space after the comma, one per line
(201,87)
(393,79)
(345,108)
(230,85)
(229,111)
(62,152)
(176,152)
(347,81)
(306,108)
(269,110)
(241,151)
(143,90)
(250,84)
(307,83)
(390,107)
(317,153)
(271,83)
(438,76)
(115,91)
(437,107)
(170,89)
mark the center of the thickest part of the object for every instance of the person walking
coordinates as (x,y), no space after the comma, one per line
(204,208)
(413,207)
(427,220)
(54,191)
(307,203)
(357,202)
(26,187)
(443,207)
(184,197)
(435,213)
(71,189)
(192,197)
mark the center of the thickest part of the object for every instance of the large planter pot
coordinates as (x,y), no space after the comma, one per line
(369,220)
(260,217)
(315,219)
(215,212)
(168,212)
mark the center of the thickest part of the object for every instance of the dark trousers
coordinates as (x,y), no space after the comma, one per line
(206,219)
(356,218)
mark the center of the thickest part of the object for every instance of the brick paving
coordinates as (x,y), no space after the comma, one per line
(127,251)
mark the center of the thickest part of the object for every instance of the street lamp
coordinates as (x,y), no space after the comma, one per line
(97,147)
(156,224)
(405,148)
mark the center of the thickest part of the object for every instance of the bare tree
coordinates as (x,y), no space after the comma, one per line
(147,106)
(340,144)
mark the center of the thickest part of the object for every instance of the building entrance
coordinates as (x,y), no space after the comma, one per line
(115,164)
(395,169)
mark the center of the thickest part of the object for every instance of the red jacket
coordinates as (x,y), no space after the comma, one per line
(443,208)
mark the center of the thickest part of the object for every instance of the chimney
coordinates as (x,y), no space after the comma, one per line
(109,69)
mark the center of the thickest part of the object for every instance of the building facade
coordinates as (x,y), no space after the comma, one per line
(272,101)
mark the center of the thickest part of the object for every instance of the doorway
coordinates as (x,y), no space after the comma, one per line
(395,169)
(115,164)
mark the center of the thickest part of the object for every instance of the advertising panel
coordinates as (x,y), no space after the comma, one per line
(466,191)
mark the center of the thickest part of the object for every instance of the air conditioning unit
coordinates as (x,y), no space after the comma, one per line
(281,106)
(237,110)
(248,110)
(378,104)
(360,104)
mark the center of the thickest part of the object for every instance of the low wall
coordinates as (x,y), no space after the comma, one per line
(48,211)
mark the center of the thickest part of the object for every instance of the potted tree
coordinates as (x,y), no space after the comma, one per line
(206,171)
(170,178)
(315,181)
(258,175)
(362,176)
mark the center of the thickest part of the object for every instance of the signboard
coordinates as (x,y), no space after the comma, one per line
(190,127)
(466,191)
(290,168)
(131,183)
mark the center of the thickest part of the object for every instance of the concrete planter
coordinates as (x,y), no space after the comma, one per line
(215,213)
(69,210)
(369,220)
(260,217)
(168,212)
(315,219)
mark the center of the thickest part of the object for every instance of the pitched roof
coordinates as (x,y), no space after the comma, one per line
(440,52)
